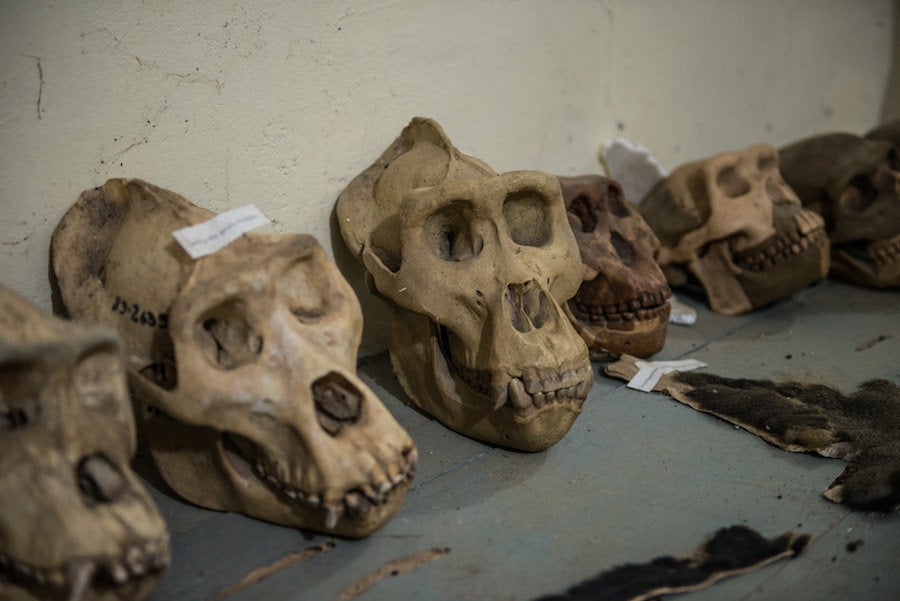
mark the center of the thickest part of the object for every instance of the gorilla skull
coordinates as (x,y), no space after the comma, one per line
(244,362)
(731,224)
(621,305)
(75,521)
(474,267)
(854,183)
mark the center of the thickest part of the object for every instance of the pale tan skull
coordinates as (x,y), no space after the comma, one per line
(474,266)
(854,184)
(244,361)
(621,307)
(730,224)
(75,521)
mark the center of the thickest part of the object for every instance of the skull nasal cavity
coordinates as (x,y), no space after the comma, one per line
(99,480)
(623,248)
(338,402)
(528,305)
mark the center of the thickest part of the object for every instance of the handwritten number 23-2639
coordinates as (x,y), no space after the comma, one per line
(147,318)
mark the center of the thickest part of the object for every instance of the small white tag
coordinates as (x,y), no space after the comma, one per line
(208,237)
(633,167)
(681,314)
(649,372)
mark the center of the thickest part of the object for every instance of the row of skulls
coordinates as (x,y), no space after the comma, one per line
(501,289)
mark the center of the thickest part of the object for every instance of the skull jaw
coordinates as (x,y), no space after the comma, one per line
(637,337)
(192,460)
(733,288)
(425,375)
(877,266)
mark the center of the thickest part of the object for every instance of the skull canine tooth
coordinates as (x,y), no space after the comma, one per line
(118,572)
(518,397)
(333,514)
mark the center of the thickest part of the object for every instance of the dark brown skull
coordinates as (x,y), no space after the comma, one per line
(889,130)
(854,183)
(621,307)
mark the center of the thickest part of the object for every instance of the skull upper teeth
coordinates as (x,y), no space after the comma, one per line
(354,502)
(647,306)
(141,559)
(784,247)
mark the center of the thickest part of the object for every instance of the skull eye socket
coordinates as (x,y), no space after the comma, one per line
(893,159)
(99,479)
(766,162)
(449,232)
(528,218)
(730,182)
(580,207)
(99,380)
(862,194)
(20,388)
(225,338)
(305,287)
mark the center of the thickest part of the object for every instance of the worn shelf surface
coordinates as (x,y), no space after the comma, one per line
(638,475)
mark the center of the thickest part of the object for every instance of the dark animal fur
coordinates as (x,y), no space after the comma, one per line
(731,551)
(862,428)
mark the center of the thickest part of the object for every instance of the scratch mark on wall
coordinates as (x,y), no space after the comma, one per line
(264,572)
(40,70)
(394,567)
(195,77)
(17,242)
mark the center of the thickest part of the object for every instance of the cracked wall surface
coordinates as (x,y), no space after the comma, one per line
(281,104)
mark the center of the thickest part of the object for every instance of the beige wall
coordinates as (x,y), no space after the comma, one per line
(281,103)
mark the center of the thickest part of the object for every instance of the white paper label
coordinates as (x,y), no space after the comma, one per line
(208,237)
(633,167)
(680,313)
(649,372)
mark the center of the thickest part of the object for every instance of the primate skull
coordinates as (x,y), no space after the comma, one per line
(731,225)
(854,184)
(474,267)
(243,362)
(621,306)
(75,521)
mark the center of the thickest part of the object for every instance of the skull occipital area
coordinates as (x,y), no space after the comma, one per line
(731,228)
(243,362)
(854,184)
(621,307)
(474,267)
(75,521)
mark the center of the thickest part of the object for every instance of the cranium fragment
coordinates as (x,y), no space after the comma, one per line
(621,307)
(243,361)
(854,183)
(75,521)
(730,224)
(474,267)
